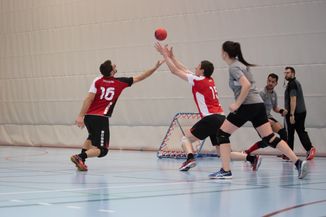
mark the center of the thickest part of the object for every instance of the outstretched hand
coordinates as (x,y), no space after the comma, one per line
(173,64)
(159,63)
(163,50)
(171,54)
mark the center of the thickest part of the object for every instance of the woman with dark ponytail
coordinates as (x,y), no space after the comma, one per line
(234,51)
(248,106)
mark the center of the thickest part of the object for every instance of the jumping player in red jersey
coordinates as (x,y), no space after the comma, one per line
(208,105)
(97,108)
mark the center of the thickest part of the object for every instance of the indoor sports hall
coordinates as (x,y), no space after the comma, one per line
(50,53)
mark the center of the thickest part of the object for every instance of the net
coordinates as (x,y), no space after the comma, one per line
(171,144)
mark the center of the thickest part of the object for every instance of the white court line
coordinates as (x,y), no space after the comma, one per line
(73,207)
(17,201)
(44,204)
(106,210)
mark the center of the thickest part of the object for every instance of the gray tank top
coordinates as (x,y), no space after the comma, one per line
(236,70)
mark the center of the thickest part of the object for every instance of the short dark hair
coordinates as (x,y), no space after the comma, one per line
(208,68)
(291,69)
(273,75)
(106,68)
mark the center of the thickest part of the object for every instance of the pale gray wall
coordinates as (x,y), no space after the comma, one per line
(50,51)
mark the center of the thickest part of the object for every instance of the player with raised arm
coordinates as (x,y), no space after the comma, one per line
(207,102)
(97,109)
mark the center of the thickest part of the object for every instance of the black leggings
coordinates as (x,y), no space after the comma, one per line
(298,126)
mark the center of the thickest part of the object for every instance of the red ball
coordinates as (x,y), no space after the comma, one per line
(161,34)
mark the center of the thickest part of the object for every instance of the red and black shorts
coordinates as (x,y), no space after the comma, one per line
(98,130)
(208,126)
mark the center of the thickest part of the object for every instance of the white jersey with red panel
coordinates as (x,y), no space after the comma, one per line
(205,95)
(107,91)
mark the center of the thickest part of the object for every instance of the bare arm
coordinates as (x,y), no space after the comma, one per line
(175,70)
(245,87)
(293,104)
(277,109)
(180,71)
(147,73)
(177,62)
(86,104)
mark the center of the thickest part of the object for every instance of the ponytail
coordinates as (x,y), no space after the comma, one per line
(233,49)
(240,57)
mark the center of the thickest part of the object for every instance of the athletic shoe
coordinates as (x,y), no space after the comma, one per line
(303,169)
(256,164)
(221,174)
(311,153)
(79,163)
(187,165)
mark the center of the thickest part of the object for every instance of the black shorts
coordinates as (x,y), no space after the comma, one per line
(208,127)
(98,130)
(255,113)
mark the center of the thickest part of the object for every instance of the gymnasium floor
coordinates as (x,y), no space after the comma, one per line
(43,182)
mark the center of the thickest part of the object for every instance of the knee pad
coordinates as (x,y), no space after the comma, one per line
(272,143)
(283,134)
(262,144)
(103,151)
(222,137)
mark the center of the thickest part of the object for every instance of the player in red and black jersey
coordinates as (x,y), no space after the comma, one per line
(97,108)
(207,102)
